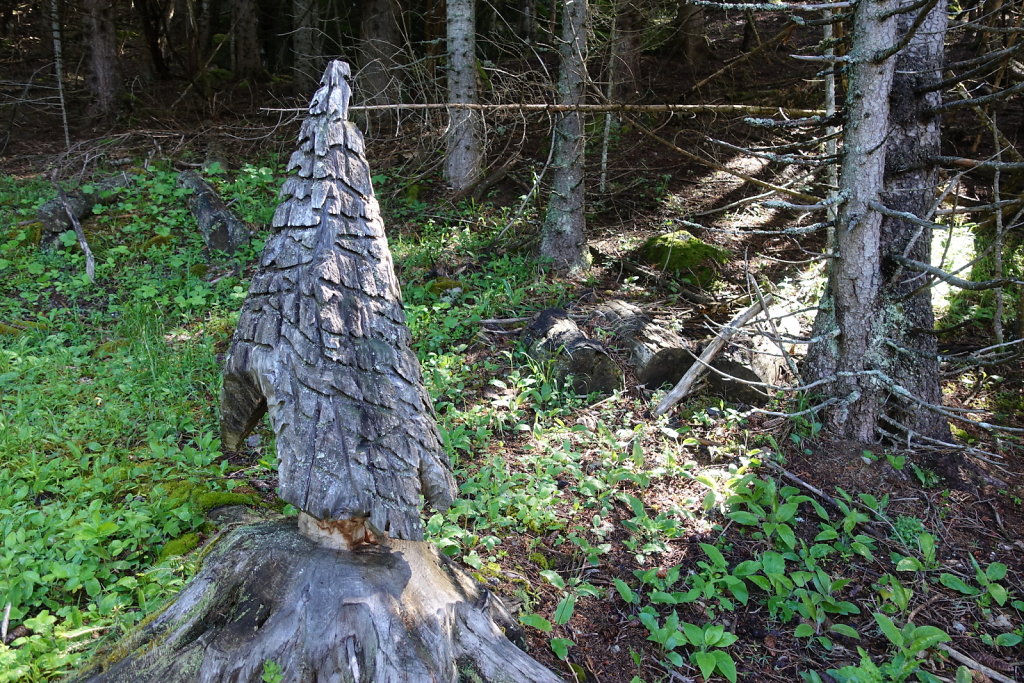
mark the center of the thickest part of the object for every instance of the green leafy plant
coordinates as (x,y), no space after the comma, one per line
(707,643)
(911,647)
(988,588)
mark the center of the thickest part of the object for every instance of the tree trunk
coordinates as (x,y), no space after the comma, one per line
(267,593)
(563,237)
(53,216)
(221,229)
(151,19)
(864,314)
(624,57)
(306,44)
(379,56)
(462,164)
(104,72)
(911,179)
(689,24)
(245,40)
(353,594)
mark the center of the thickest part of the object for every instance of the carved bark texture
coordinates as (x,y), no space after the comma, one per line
(554,336)
(322,344)
(54,218)
(563,237)
(220,227)
(266,592)
(656,353)
(462,164)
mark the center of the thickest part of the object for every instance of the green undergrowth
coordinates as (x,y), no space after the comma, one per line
(575,507)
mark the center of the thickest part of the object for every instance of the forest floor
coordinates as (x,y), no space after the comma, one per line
(631,547)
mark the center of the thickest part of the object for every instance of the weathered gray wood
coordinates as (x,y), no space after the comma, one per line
(220,227)
(352,594)
(554,337)
(322,344)
(53,215)
(656,353)
(268,593)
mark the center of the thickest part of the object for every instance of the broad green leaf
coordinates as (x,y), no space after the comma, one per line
(803,631)
(714,554)
(694,634)
(996,571)
(746,568)
(554,578)
(625,591)
(739,590)
(998,593)
(889,629)
(773,563)
(845,630)
(662,598)
(786,512)
(675,658)
(563,613)
(742,517)
(560,646)
(726,666)
(713,634)
(957,584)
(535,621)
(908,564)
(964,675)
(1008,640)
(925,637)
(706,662)
(787,536)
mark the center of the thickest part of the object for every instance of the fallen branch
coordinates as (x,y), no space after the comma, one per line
(90,260)
(682,388)
(592,108)
(974,664)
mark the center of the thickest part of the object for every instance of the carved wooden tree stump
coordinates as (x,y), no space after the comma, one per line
(353,593)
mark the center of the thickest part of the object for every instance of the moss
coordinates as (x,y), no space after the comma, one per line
(215,499)
(444,285)
(17,327)
(540,560)
(155,241)
(179,546)
(199,270)
(683,254)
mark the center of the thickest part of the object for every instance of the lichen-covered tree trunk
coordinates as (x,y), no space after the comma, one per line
(910,182)
(874,321)
(563,238)
(851,320)
(351,593)
(104,74)
(462,163)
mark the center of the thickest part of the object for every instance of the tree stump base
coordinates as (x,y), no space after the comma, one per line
(399,611)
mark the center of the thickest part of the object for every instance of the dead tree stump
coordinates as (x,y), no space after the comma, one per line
(554,337)
(221,229)
(353,594)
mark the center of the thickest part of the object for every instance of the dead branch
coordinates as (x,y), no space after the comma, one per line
(682,388)
(951,279)
(90,260)
(974,664)
(586,108)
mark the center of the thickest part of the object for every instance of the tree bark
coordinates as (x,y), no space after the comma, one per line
(104,71)
(624,57)
(910,181)
(873,335)
(53,214)
(563,237)
(221,229)
(463,161)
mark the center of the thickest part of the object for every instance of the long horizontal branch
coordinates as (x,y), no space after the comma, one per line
(598,108)
(964,162)
(949,278)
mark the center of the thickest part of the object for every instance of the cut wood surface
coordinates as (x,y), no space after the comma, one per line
(220,227)
(656,353)
(554,337)
(400,612)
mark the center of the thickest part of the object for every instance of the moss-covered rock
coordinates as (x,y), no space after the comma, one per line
(683,254)
(445,286)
